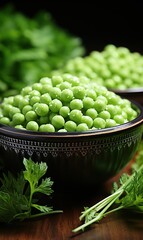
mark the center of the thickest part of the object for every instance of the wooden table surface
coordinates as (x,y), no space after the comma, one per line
(59,226)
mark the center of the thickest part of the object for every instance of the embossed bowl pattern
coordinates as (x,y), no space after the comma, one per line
(75,160)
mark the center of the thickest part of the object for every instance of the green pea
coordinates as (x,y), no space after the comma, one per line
(45,98)
(88,120)
(99,123)
(32,126)
(79,92)
(5,120)
(64,111)
(76,104)
(88,102)
(42,109)
(82,127)
(70,126)
(91,112)
(66,95)
(56,80)
(58,121)
(18,118)
(47,128)
(75,115)
(31,116)
(55,105)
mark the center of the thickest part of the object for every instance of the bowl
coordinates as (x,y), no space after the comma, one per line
(135,94)
(75,160)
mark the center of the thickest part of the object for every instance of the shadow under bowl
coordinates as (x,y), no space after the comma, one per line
(75,160)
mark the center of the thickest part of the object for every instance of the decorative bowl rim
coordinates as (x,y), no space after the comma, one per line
(128,90)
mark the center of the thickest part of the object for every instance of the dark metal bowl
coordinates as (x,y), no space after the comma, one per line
(75,160)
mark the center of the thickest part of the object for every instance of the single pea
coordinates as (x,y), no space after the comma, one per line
(82,127)
(110,123)
(76,104)
(42,109)
(17,99)
(66,95)
(91,93)
(5,120)
(79,92)
(56,80)
(34,99)
(18,118)
(26,109)
(110,83)
(75,115)
(55,93)
(31,116)
(46,80)
(45,98)
(58,121)
(64,111)
(55,105)
(99,105)
(20,127)
(88,120)
(37,86)
(99,123)
(104,114)
(91,112)
(62,130)
(46,128)
(26,90)
(32,126)
(70,126)
(88,102)
(119,119)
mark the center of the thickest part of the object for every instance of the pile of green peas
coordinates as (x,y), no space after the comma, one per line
(65,103)
(114,67)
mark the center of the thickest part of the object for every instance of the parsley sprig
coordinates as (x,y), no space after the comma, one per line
(19,195)
(127,193)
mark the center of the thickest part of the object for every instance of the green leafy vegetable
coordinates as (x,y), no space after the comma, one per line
(18,195)
(30,48)
(126,194)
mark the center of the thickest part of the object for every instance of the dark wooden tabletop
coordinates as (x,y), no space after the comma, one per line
(59,226)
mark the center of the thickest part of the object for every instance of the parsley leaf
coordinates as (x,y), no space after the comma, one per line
(126,194)
(17,201)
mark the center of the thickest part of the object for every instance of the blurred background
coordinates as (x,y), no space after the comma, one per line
(32,47)
(98,23)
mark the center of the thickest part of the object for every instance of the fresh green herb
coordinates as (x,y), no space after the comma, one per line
(19,195)
(126,194)
(32,47)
